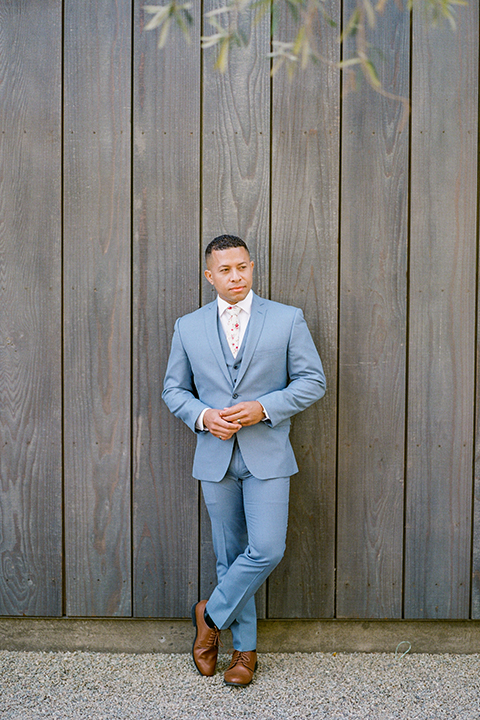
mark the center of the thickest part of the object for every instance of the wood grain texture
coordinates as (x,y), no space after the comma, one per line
(476,506)
(97,307)
(236,148)
(305,170)
(372,351)
(236,181)
(30,308)
(272,161)
(166,285)
(475,583)
(442,320)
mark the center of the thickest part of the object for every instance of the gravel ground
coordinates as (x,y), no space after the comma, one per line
(301,685)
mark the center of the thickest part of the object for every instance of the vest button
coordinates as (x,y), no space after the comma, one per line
(235,367)
(235,396)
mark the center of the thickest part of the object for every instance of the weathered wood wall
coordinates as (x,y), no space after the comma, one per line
(118,163)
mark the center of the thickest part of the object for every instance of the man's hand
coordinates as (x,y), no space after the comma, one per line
(218,426)
(245,413)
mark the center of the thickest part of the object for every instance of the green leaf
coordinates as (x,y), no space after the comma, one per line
(299,40)
(164,32)
(222,59)
(275,21)
(349,62)
(182,23)
(161,14)
(352,25)
(293,7)
(261,8)
(241,38)
(211,40)
(370,12)
(329,20)
(218,11)
(372,73)
(214,23)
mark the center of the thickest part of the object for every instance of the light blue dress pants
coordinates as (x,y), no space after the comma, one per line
(249,526)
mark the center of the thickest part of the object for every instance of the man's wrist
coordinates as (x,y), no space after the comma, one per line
(199,425)
(265,414)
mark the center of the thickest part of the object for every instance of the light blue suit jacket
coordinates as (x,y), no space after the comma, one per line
(280,368)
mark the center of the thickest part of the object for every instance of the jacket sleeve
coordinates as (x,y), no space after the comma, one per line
(307,381)
(179,392)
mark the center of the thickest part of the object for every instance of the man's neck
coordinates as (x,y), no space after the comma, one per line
(245,304)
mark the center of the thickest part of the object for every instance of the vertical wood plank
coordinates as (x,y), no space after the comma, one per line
(372,354)
(166,285)
(305,144)
(236,178)
(475,602)
(442,314)
(30,308)
(236,148)
(97,307)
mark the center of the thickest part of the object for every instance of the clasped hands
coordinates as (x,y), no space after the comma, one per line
(225,423)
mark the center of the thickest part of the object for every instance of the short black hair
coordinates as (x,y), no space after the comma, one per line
(224,242)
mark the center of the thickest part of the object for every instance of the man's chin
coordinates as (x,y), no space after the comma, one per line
(235,297)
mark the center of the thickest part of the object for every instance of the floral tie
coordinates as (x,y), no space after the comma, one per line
(233,331)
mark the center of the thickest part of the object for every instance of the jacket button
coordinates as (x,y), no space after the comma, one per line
(235,395)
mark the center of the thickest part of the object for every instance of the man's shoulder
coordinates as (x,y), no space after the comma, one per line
(195,315)
(277,307)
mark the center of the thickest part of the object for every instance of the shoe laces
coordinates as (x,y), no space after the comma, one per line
(213,639)
(239,657)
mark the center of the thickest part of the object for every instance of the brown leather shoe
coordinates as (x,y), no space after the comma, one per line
(205,645)
(242,667)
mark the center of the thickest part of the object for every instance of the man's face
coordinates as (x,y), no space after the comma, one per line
(230,272)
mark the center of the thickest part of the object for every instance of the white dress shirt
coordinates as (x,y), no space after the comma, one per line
(245,306)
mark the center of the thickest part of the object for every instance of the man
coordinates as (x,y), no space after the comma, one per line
(239,368)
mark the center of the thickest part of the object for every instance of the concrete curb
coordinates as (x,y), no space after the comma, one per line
(176,635)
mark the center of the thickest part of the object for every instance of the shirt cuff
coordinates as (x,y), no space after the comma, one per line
(199,422)
(267,417)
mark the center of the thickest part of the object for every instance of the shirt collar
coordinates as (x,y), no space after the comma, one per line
(245,304)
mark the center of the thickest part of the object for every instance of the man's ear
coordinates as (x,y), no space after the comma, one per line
(208,275)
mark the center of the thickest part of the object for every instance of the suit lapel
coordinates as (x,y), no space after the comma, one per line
(255,327)
(211,330)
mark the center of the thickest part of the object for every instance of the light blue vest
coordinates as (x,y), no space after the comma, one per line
(233,364)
